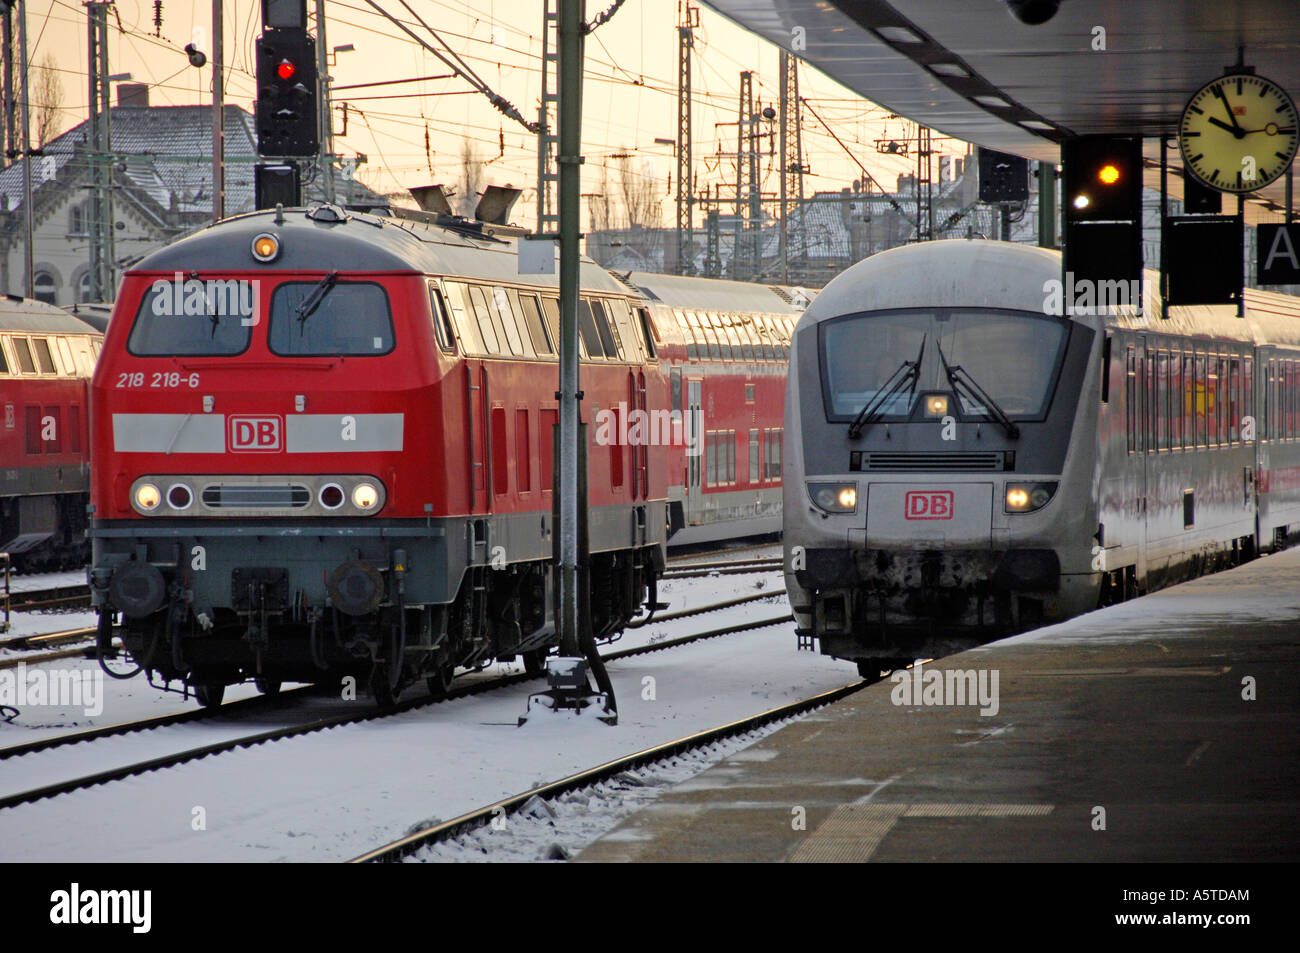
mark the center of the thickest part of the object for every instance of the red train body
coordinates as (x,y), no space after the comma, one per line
(46,359)
(337,460)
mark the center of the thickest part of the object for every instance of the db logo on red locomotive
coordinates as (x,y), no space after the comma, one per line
(254,434)
(928,505)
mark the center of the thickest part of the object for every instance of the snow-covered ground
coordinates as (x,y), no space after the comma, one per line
(334,794)
(42,623)
(47,580)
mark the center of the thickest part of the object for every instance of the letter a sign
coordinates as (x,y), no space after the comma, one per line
(1279,254)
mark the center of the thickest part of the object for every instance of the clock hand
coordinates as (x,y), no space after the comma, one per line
(1222,125)
(1236,126)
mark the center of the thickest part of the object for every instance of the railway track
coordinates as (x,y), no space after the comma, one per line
(276,734)
(76,596)
(400,849)
(732,567)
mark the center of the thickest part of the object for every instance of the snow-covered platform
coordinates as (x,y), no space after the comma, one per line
(1167,728)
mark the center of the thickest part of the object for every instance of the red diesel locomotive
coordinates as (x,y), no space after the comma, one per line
(46,359)
(322,447)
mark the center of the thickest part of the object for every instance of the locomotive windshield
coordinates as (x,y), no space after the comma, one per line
(193,317)
(1013,355)
(343,318)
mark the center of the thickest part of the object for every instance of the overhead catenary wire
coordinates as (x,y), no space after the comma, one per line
(500,102)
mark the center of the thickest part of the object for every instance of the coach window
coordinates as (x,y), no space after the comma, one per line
(491,340)
(1162,400)
(441,323)
(4,362)
(628,334)
(587,330)
(604,330)
(711,336)
(649,333)
(753,457)
(734,336)
(498,303)
(352,318)
(23,352)
(44,359)
(551,312)
(69,366)
(746,331)
(462,318)
(1200,398)
(1188,401)
(711,454)
(542,342)
(720,329)
(694,336)
(675,386)
(1234,396)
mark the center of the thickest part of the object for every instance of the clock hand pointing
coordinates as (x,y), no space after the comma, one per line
(1236,126)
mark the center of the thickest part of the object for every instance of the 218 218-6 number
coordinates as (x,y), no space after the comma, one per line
(158,379)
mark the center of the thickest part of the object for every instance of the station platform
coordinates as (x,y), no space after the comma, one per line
(1163,729)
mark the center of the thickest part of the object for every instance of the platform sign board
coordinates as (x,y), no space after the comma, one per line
(1278,254)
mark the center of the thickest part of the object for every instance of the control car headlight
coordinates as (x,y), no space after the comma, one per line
(936,405)
(147,496)
(1027,497)
(834,497)
(365,496)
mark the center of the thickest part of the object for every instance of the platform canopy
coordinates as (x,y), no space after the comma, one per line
(971,70)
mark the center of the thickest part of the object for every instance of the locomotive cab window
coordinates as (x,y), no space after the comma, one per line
(175,321)
(344,319)
(4,363)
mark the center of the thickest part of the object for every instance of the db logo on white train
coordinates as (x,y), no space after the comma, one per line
(928,505)
(254,434)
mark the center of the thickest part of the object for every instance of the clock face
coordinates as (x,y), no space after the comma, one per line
(1238,133)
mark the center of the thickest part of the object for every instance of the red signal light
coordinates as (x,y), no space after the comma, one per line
(285,70)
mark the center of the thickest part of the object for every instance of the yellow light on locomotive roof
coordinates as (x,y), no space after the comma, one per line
(147,496)
(1109,174)
(365,496)
(266,248)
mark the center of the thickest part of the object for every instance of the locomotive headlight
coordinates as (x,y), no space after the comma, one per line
(266,248)
(147,496)
(834,497)
(365,496)
(1027,497)
(936,405)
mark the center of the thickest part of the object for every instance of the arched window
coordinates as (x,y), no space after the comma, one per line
(44,288)
(83,287)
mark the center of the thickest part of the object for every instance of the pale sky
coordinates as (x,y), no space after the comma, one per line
(629,98)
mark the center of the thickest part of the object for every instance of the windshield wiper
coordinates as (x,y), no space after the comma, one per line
(959,380)
(315,297)
(905,375)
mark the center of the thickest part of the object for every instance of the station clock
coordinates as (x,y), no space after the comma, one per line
(1238,133)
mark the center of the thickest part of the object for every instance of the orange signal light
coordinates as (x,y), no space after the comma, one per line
(285,70)
(1109,174)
